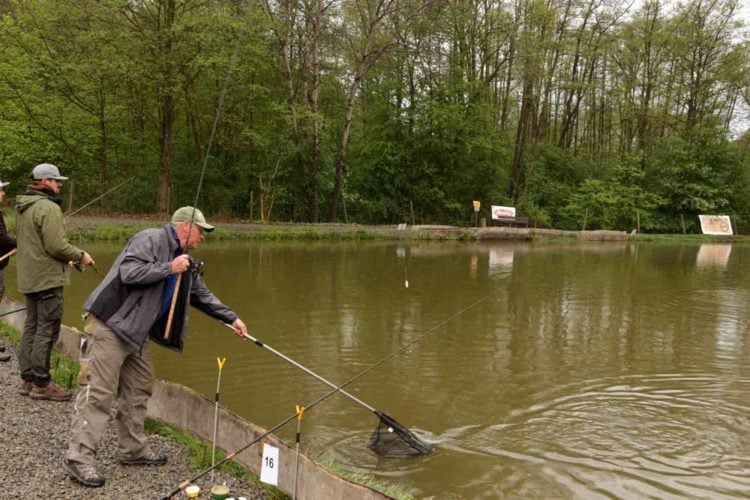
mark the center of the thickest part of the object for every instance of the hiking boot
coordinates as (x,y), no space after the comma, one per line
(24,387)
(2,348)
(50,392)
(148,457)
(4,357)
(83,473)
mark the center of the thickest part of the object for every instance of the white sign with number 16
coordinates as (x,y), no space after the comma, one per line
(269,468)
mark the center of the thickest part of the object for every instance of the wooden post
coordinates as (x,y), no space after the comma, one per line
(411,208)
(682,219)
(252,203)
(585,217)
(260,193)
(70,195)
(638,221)
(343,205)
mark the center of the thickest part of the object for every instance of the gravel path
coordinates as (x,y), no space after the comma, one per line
(33,438)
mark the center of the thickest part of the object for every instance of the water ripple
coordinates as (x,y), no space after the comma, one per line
(664,435)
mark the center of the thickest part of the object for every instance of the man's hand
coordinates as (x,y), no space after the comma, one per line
(86,260)
(180,264)
(239,328)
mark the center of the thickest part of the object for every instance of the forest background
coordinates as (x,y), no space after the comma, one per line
(578,112)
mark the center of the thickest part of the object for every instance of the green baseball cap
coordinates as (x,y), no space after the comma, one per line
(186,214)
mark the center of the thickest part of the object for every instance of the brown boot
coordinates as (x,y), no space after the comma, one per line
(24,387)
(51,392)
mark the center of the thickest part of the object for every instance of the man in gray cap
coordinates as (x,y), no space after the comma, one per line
(145,295)
(44,261)
(7,248)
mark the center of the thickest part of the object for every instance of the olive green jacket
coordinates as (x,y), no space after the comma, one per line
(43,251)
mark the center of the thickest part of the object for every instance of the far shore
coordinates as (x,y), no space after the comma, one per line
(122,227)
(109,227)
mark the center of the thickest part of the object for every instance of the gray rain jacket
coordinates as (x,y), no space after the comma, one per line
(129,298)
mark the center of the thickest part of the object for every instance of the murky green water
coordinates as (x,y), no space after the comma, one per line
(567,371)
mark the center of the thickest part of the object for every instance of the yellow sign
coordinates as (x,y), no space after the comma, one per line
(477,204)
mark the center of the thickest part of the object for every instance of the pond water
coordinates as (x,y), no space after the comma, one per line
(603,370)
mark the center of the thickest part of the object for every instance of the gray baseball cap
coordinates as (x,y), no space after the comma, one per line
(47,171)
(186,214)
(3,184)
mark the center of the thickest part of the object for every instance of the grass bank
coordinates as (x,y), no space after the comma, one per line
(689,238)
(112,232)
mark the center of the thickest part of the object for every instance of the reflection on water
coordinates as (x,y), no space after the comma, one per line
(714,254)
(586,370)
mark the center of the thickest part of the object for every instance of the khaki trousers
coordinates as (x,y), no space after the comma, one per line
(108,368)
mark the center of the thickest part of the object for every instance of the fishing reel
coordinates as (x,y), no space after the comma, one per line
(196,266)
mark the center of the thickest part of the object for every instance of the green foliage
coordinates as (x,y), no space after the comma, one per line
(625,118)
(692,177)
(619,203)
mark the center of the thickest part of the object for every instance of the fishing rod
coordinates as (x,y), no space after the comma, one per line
(378,435)
(13,311)
(100,197)
(286,358)
(214,126)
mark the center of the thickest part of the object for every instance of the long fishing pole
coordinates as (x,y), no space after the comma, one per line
(286,358)
(13,311)
(100,197)
(229,457)
(214,126)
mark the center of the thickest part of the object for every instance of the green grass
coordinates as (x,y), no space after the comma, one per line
(698,238)
(64,370)
(200,456)
(110,232)
(394,491)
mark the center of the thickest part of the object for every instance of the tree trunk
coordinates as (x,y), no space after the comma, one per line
(168,111)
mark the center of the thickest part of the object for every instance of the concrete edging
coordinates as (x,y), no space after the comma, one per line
(184,408)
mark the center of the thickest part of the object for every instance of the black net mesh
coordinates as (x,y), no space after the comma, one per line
(393,440)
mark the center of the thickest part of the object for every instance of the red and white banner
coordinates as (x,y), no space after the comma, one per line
(499,212)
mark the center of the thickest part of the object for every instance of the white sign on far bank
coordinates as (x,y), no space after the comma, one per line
(719,225)
(499,212)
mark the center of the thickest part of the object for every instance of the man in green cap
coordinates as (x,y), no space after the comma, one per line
(145,295)
(44,261)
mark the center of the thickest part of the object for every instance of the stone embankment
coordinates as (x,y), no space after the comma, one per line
(400,231)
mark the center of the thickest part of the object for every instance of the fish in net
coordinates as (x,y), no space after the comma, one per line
(392,440)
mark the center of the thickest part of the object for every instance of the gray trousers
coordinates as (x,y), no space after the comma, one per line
(40,332)
(110,368)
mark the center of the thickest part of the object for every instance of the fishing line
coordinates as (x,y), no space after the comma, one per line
(405,252)
(100,197)
(411,444)
(220,105)
(212,135)
(386,431)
